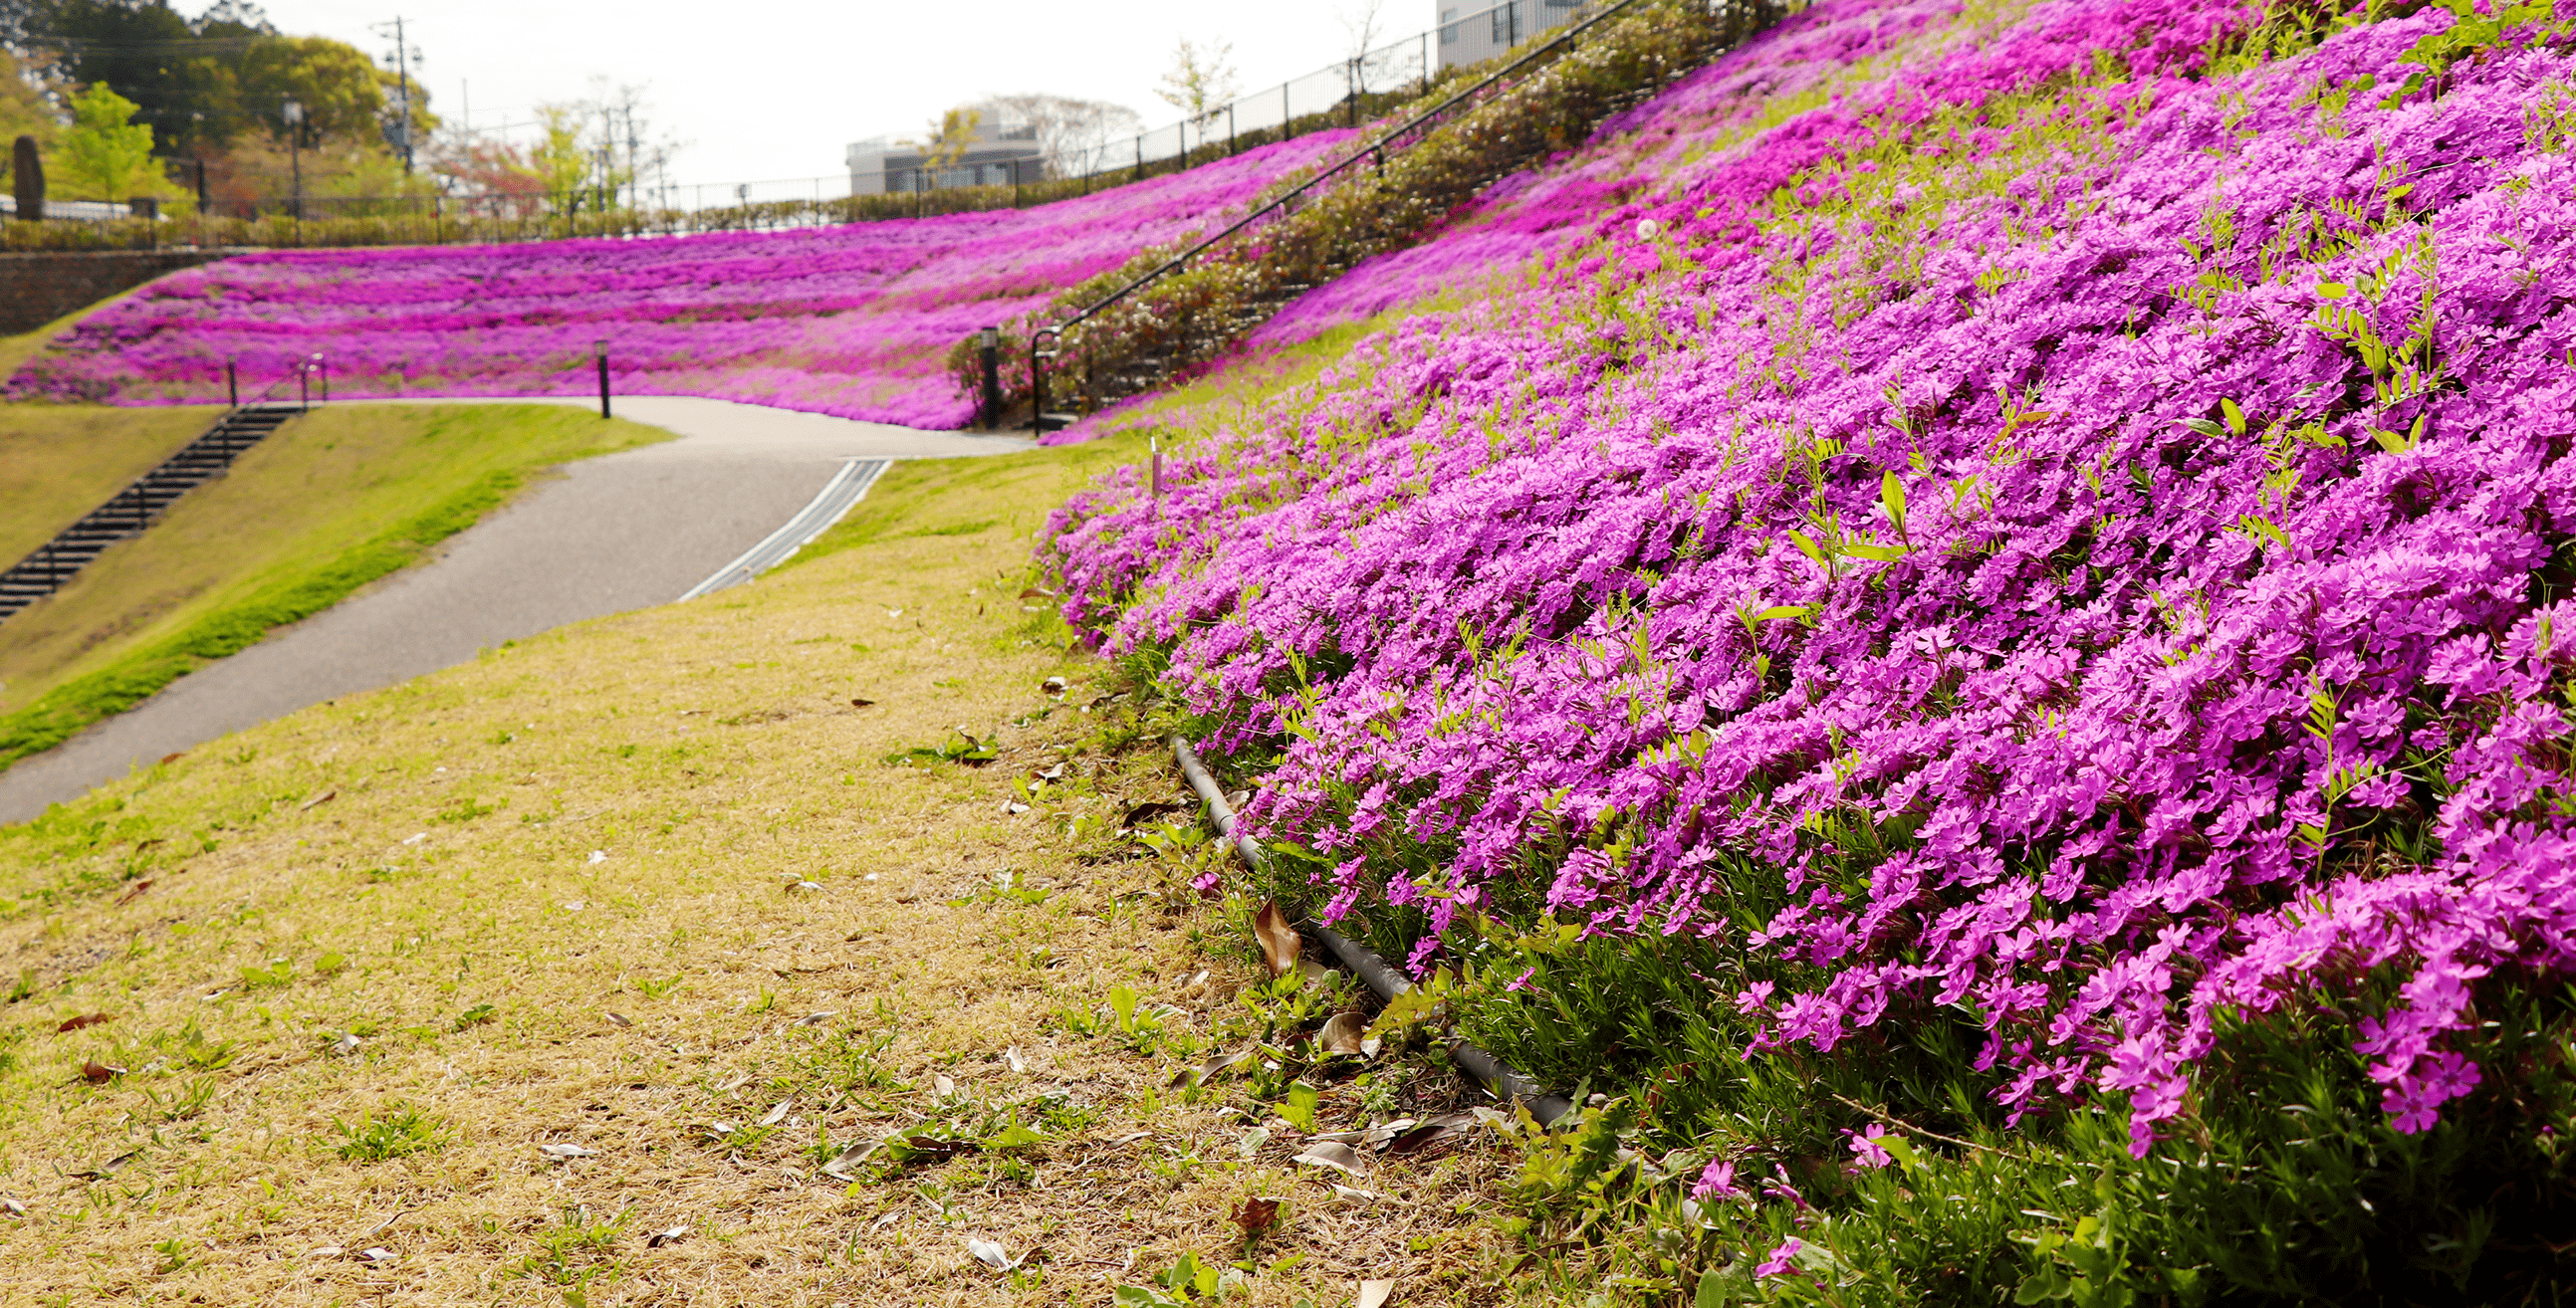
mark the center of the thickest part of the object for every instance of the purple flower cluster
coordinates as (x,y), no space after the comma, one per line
(854,321)
(2078,501)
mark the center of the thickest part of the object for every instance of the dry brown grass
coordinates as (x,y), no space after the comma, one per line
(438,838)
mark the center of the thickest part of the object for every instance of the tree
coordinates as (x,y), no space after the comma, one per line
(106,155)
(950,136)
(1072,133)
(1201,83)
(342,91)
(181,73)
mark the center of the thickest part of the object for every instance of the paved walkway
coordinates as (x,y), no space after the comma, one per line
(622,531)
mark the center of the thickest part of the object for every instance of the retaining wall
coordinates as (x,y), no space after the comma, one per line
(37,288)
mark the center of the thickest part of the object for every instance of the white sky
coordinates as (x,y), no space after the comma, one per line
(761,91)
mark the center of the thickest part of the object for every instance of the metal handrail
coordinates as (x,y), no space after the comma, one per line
(1374,151)
(134,502)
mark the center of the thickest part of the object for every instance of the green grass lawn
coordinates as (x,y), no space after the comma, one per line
(58,462)
(334,500)
(654,890)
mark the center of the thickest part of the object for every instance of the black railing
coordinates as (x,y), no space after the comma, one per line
(1046,342)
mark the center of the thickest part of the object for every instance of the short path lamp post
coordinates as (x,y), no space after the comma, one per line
(322,374)
(303,386)
(232,385)
(988,343)
(599,351)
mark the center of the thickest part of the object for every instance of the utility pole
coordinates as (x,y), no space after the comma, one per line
(402,97)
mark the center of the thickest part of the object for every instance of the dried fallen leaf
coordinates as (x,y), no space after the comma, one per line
(1143,813)
(668,1235)
(1216,1063)
(1434,1135)
(851,1157)
(991,1255)
(1013,807)
(862,703)
(326,1251)
(1374,1294)
(566,1151)
(1257,1215)
(135,891)
(818,1019)
(375,1257)
(1354,1194)
(85,1019)
(1011,1059)
(1055,685)
(1281,946)
(167,759)
(346,1044)
(324,798)
(620,1019)
(778,1114)
(1327,1153)
(13,1207)
(1345,1033)
(939,1081)
(95,1071)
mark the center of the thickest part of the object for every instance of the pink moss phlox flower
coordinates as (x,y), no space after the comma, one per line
(1866,1148)
(1514,589)
(1717,1181)
(855,321)
(1779,1263)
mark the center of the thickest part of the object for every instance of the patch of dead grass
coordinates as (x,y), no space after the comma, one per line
(613,886)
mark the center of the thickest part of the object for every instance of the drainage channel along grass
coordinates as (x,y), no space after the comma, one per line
(830,941)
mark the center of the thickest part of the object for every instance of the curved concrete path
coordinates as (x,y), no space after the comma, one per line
(622,531)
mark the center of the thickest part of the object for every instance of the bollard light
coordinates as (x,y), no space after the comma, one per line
(988,348)
(599,351)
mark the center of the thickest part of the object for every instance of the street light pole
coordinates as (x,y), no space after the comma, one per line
(293,112)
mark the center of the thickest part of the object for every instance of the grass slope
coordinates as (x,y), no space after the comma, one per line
(334,500)
(63,461)
(647,886)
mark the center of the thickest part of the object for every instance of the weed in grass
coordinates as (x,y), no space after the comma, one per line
(652,989)
(398,1132)
(175,1253)
(959,748)
(575,1251)
(186,1101)
(468,809)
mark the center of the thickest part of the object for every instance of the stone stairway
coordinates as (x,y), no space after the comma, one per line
(139,505)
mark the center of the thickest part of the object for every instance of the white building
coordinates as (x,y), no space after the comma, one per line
(1470,32)
(1003,151)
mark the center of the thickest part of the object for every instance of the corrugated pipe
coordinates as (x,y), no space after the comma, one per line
(1494,1073)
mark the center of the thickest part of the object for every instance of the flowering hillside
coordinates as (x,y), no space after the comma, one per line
(2019,552)
(846,320)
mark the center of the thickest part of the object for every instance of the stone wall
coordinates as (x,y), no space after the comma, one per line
(37,288)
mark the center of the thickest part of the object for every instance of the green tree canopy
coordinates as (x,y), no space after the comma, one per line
(105,155)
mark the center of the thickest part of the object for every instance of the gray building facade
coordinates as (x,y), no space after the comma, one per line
(1471,32)
(1002,152)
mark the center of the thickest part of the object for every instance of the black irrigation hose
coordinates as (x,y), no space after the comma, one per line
(1494,1073)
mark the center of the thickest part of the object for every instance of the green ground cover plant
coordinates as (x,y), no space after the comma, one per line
(335,499)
